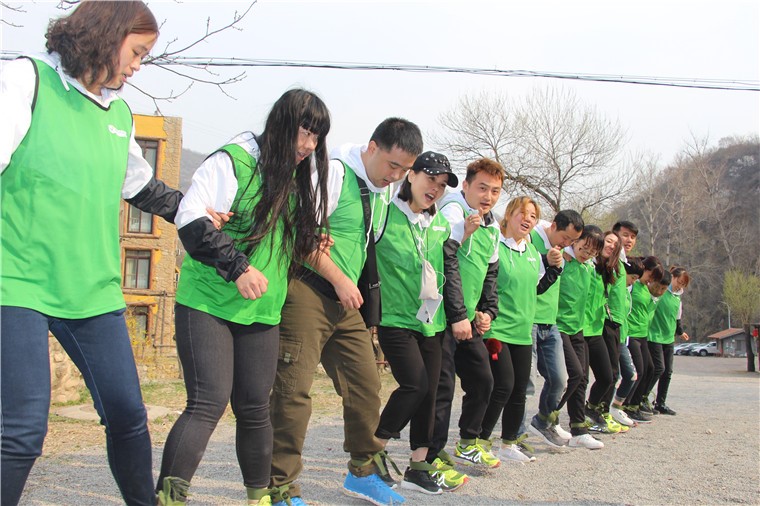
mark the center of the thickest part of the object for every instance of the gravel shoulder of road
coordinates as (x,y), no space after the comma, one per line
(707,454)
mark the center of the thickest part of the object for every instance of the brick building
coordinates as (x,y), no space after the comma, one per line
(149,249)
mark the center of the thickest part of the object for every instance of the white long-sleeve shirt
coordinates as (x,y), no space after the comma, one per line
(17,93)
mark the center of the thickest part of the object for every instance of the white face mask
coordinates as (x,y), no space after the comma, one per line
(431,299)
(429,282)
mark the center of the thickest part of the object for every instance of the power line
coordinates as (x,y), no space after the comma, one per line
(679,82)
(676,82)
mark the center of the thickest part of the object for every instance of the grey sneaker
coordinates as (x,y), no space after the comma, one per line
(548,434)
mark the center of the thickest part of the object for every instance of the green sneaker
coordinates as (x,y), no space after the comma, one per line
(473,452)
(174,492)
(612,425)
(446,477)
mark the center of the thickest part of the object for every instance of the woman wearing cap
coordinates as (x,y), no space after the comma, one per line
(410,264)
(523,274)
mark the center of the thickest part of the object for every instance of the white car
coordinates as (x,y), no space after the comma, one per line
(706,349)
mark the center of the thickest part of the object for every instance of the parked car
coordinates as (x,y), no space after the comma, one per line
(706,349)
(680,346)
(687,348)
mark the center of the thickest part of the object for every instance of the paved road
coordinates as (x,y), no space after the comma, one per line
(707,454)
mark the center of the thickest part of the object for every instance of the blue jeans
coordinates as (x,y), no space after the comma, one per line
(551,365)
(101,349)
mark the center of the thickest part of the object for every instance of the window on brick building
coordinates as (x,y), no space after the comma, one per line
(139,222)
(136,268)
(137,322)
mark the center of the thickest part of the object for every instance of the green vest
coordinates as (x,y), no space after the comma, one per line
(595,312)
(347,225)
(663,327)
(573,292)
(474,256)
(617,296)
(518,277)
(202,288)
(61,197)
(400,267)
(547,303)
(638,319)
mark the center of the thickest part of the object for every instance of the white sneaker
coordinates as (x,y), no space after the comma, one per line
(585,441)
(562,432)
(621,417)
(512,453)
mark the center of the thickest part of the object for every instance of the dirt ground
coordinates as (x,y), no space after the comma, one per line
(707,454)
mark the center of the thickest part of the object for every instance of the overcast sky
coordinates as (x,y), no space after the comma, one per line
(717,39)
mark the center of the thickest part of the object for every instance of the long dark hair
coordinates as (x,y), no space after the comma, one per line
(609,267)
(281,177)
(89,39)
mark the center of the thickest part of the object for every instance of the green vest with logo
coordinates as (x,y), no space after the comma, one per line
(474,256)
(518,277)
(399,264)
(202,288)
(61,198)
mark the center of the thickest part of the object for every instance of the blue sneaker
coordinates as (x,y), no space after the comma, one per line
(291,501)
(371,488)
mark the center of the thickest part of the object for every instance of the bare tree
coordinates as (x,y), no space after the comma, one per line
(551,144)
(13,8)
(169,57)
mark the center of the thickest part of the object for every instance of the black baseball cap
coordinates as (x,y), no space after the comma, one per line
(434,164)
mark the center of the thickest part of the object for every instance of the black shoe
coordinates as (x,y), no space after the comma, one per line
(663,409)
(646,407)
(385,473)
(637,415)
(421,481)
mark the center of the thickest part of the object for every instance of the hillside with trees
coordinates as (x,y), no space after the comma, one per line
(702,211)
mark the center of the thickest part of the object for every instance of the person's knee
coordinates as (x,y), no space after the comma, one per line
(24,441)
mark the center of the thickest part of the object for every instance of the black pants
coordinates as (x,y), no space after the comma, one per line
(658,368)
(469,360)
(599,361)
(415,362)
(611,336)
(645,378)
(511,372)
(222,362)
(576,361)
(662,388)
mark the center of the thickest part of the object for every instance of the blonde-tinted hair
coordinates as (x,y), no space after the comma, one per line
(518,204)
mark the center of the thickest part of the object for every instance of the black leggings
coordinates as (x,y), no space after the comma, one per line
(223,362)
(599,360)
(576,361)
(511,372)
(634,348)
(642,384)
(415,362)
